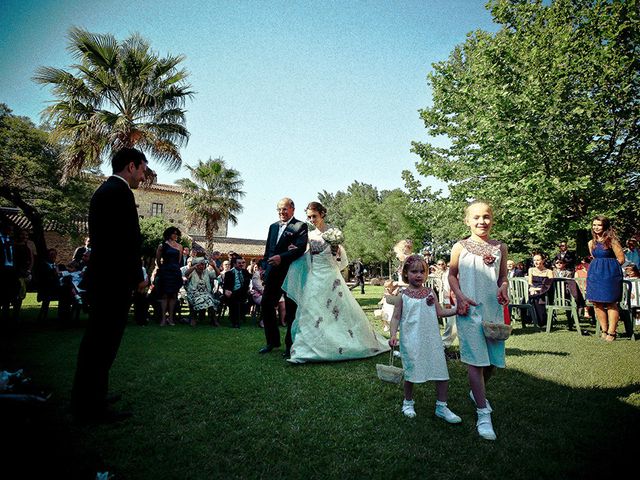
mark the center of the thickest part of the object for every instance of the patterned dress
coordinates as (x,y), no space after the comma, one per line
(329,323)
(478,271)
(420,342)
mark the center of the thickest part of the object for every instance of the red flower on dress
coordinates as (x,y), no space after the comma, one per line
(489,259)
(431,299)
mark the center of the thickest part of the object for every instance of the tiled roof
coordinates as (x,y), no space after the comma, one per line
(23,223)
(242,246)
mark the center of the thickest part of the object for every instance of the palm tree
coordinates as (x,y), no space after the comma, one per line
(212,196)
(120,95)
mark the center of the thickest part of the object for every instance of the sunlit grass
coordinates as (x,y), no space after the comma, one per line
(208,406)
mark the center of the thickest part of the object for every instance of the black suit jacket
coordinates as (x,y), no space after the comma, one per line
(296,233)
(569,257)
(114,231)
(358,269)
(229,281)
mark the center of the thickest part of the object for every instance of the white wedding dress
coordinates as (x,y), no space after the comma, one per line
(330,324)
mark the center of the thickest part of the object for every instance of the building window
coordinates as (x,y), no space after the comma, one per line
(156,209)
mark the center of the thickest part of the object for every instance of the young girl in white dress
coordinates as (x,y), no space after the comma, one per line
(478,278)
(421,347)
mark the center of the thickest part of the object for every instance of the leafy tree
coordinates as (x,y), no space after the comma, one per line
(120,94)
(372,221)
(213,195)
(440,219)
(29,169)
(151,229)
(542,118)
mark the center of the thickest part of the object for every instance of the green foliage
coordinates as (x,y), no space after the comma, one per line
(30,171)
(542,118)
(372,222)
(151,229)
(121,94)
(213,195)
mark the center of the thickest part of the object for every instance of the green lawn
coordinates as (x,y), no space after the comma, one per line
(208,406)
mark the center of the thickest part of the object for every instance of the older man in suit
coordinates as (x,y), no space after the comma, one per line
(287,241)
(236,290)
(114,272)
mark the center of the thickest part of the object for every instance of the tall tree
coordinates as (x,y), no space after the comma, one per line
(372,221)
(120,94)
(542,117)
(213,195)
(29,169)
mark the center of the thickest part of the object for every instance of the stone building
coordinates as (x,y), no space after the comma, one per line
(157,200)
(166,200)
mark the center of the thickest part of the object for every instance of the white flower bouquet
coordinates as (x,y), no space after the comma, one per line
(335,238)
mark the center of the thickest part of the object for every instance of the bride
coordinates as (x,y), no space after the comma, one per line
(329,323)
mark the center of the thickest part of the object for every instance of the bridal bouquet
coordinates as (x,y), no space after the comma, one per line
(335,238)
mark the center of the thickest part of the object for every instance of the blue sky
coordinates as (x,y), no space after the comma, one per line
(299,96)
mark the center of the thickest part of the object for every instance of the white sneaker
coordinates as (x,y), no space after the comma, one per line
(407,408)
(397,354)
(484,425)
(486,400)
(442,411)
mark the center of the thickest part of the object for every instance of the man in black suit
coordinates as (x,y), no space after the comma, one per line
(286,242)
(566,255)
(358,272)
(114,272)
(236,287)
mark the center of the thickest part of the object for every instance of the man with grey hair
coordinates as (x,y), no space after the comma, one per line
(287,241)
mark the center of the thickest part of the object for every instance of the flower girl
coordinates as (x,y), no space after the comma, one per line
(421,347)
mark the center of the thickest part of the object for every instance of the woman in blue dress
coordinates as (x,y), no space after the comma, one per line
(604,278)
(169,277)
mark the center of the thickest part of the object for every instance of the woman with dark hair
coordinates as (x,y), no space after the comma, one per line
(169,277)
(604,277)
(329,323)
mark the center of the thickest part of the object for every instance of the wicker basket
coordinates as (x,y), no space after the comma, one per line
(389,373)
(496,331)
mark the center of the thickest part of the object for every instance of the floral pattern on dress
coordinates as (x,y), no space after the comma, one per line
(489,251)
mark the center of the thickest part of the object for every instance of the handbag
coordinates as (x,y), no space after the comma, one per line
(389,373)
(498,331)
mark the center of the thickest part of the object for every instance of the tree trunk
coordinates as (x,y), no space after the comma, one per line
(34,216)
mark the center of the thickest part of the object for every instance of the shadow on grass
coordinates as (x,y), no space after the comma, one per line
(207,406)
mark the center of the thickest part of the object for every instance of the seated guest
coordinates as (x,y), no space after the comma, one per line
(560,269)
(71,293)
(582,268)
(215,265)
(256,288)
(48,284)
(236,288)
(581,271)
(185,261)
(631,253)
(536,278)
(511,269)
(79,252)
(199,291)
